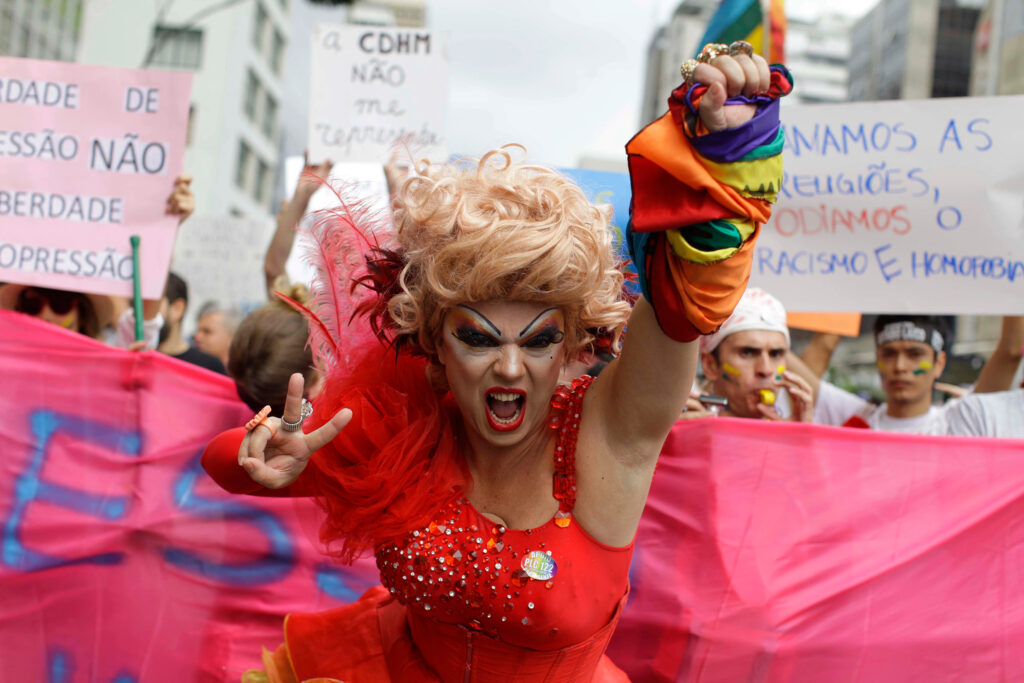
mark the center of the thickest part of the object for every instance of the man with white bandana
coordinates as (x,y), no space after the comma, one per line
(744,362)
(910,353)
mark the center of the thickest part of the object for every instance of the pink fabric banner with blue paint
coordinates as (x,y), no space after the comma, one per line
(768,552)
(121,562)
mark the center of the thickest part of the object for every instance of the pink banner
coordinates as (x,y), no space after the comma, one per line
(120,560)
(768,552)
(88,157)
(778,552)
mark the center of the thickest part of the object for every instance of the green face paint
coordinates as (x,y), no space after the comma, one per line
(923,367)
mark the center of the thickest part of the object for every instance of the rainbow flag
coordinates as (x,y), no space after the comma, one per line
(777,31)
(746,20)
(736,20)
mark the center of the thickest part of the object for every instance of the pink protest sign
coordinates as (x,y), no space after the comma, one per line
(88,157)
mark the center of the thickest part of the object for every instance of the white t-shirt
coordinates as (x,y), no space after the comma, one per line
(999,414)
(835,406)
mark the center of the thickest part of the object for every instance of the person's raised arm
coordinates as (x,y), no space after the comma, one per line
(288,219)
(817,355)
(181,202)
(1001,366)
(703,179)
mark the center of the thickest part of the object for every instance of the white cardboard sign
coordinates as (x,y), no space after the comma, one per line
(901,206)
(375,88)
(366,181)
(221,259)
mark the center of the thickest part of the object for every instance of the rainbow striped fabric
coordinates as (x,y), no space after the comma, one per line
(744,20)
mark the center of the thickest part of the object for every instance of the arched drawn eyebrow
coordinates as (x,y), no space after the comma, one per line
(483,318)
(533,322)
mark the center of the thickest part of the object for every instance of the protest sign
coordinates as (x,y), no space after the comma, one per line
(89,157)
(373,89)
(221,259)
(900,206)
(846,324)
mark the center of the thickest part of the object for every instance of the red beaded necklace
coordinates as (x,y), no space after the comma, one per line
(565,419)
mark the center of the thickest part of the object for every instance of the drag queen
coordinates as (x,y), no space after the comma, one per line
(502,506)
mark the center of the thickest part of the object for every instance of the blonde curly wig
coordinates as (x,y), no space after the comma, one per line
(500,229)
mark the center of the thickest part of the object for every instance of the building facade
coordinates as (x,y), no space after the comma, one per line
(997,67)
(672,45)
(913,49)
(236,52)
(40,29)
(818,51)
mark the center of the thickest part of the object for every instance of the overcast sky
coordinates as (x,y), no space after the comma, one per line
(563,77)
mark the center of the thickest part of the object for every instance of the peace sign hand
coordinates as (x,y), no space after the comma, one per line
(274,457)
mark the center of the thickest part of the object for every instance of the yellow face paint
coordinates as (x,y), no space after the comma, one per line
(730,369)
(778,372)
(68,322)
(923,367)
(767,397)
(881,366)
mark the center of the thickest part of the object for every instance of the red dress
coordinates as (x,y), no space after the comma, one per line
(464,598)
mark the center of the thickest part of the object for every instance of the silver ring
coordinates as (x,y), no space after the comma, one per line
(306,411)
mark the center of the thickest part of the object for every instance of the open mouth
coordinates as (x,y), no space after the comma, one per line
(505,408)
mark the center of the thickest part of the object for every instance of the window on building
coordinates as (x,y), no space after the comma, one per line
(242,167)
(262,181)
(26,39)
(259,27)
(277,52)
(177,48)
(190,126)
(269,115)
(6,31)
(252,95)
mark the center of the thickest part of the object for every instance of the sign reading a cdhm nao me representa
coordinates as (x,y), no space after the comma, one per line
(903,206)
(373,89)
(88,157)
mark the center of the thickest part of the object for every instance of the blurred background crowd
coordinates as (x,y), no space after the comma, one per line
(248,117)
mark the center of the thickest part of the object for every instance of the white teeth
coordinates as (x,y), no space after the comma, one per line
(502,396)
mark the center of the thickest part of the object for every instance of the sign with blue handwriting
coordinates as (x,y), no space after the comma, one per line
(899,206)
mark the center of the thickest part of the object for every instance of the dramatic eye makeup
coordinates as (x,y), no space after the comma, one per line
(472,328)
(543,331)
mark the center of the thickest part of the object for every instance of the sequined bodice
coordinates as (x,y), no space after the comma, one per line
(543,588)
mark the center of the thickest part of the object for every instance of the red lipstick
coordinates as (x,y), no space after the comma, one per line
(505,400)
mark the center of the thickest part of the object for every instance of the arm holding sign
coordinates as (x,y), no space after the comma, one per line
(181,202)
(288,220)
(997,375)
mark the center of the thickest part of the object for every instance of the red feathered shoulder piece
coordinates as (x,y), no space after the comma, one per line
(395,464)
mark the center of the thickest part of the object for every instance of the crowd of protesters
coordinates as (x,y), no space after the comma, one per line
(749,369)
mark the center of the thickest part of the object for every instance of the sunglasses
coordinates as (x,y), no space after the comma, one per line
(32,300)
